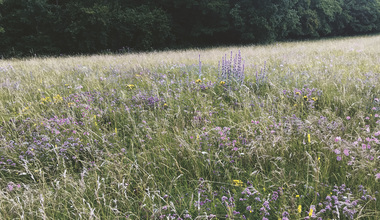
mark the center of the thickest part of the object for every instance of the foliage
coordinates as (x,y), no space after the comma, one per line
(43,27)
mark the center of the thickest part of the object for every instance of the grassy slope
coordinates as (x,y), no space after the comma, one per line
(78,141)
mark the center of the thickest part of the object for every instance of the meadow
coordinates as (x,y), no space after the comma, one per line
(282,131)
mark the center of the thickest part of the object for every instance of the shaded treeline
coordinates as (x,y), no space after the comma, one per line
(52,27)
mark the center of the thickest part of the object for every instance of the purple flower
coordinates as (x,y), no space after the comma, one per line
(348,118)
(337,139)
(337,151)
(346,152)
(377,176)
(266,205)
(338,158)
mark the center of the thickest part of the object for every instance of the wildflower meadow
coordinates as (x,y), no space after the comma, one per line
(281,131)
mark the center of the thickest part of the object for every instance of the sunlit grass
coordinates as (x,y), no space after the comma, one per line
(145,136)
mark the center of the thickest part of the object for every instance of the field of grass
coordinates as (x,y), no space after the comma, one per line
(286,131)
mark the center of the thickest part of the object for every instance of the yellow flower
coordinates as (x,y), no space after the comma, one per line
(70,104)
(46,99)
(130,86)
(305,97)
(311,212)
(314,99)
(198,81)
(297,196)
(165,105)
(308,138)
(222,83)
(298,93)
(237,182)
(299,209)
(57,98)
(115,130)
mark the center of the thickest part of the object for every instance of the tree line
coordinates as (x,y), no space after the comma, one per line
(53,27)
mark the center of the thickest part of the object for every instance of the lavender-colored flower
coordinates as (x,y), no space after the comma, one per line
(338,158)
(266,205)
(346,152)
(377,176)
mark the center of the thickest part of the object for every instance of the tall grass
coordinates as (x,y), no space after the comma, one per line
(163,136)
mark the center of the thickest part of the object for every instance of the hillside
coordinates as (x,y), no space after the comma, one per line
(283,131)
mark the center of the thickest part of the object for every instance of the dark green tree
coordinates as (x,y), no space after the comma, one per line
(365,15)
(26,26)
(328,12)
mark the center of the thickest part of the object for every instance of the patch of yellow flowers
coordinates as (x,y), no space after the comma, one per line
(131,86)
(45,100)
(237,182)
(57,98)
(299,209)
